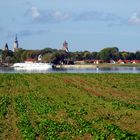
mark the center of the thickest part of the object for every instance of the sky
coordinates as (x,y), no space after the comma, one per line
(85,24)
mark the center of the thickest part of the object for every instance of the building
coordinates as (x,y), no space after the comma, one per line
(16,45)
(6,47)
(135,61)
(40,57)
(30,60)
(65,46)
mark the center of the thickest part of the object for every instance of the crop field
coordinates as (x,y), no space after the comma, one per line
(70,106)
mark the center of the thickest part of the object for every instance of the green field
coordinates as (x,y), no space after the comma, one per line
(70,106)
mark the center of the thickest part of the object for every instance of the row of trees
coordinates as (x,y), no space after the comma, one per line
(57,56)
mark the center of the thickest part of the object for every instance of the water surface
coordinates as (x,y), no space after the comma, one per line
(114,69)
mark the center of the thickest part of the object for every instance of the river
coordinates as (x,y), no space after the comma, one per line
(113,69)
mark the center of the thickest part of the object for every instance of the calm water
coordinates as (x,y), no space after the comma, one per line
(96,70)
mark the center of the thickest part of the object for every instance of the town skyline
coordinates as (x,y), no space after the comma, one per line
(15,46)
(86,25)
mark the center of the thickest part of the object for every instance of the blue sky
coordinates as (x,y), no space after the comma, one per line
(86,25)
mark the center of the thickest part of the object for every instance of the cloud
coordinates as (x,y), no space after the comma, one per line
(37,15)
(98,16)
(135,19)
(47,16)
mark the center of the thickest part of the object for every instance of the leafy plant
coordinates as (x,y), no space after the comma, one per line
(24,124)
(122,135)
(4,102)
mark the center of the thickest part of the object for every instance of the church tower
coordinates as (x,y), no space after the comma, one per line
(6,47)
(65,46)
(15,44)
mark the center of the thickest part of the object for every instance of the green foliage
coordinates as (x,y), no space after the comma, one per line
(137,55)
(70,106)
(118,104)
(24,124)
(7,56)
(122,135)
(4,103)
(50,129)
(42,105)
(125,55)
(109,54)
(57,56)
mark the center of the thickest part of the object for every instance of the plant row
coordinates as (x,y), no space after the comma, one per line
(4,103)
(24,124)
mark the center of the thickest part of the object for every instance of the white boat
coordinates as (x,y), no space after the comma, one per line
(32,66)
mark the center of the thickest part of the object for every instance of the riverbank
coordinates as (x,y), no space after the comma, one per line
(76,66)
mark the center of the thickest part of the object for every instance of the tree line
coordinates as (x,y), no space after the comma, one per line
(55,56)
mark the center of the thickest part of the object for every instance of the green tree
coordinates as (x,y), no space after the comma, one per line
(131,56)
(9,59)
(47,57)
(77,56)
(18,55)
(87,55)
(94,55)
(58,57)
(138,55)
(48,50)
(109,53)
(55,57)
(5,54)
(125,55)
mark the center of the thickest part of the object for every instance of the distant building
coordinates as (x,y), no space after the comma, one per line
(120,61)
(6,47)
(30,60)
(135,61)
(16,45)
(65,46)
(40,57)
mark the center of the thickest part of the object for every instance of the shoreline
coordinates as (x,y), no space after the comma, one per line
(75,66)
(94,66)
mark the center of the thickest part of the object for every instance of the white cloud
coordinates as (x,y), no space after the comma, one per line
(57,16)
(47,16)
(97,16)
(60,16)
(35,13)
(135,19)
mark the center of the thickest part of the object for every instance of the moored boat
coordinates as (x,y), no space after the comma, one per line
(32,66)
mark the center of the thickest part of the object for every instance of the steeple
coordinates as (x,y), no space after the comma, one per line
(16,38)
(15,44)
(6,47)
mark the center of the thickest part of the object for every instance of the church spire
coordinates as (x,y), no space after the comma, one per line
(6,47)
(16,38)
(15,44)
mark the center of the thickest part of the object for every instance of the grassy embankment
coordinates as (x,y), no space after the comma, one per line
(69,106)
